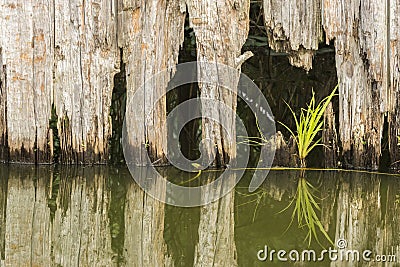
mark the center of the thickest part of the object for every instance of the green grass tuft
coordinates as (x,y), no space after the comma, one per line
(308,125)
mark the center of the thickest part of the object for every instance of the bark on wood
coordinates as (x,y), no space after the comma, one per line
(64,53)
(359,30)
(144,227)
(221,29)
(329,138)
(367,43)
(152,32)
(393,73)
(216,245)
(286,152)
(27,62)
(78,41)
(86,59)
(3,110)
(294,27)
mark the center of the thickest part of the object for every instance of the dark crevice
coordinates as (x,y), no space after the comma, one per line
(36,153)
(190,135)
(117,113)
(384,160)
(56,137)
(4,149)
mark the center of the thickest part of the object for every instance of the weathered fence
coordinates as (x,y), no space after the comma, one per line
(60,59)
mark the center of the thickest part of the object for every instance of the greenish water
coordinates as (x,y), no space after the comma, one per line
(98,216)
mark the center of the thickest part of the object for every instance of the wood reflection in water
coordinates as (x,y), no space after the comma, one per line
(367,219)
(81,228)
(216,245)
(3,201)
(144,226)
(27,218)
(63,218)
(391,220)
(328,187)
(76,234)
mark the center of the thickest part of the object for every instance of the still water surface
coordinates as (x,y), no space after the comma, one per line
(98,216)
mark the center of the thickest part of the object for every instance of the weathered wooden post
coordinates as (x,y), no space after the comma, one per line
(86,58)
(151,33)
(3,111)
(359,30)
(393,74)
(221,29)
(64,54)
(26,49)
